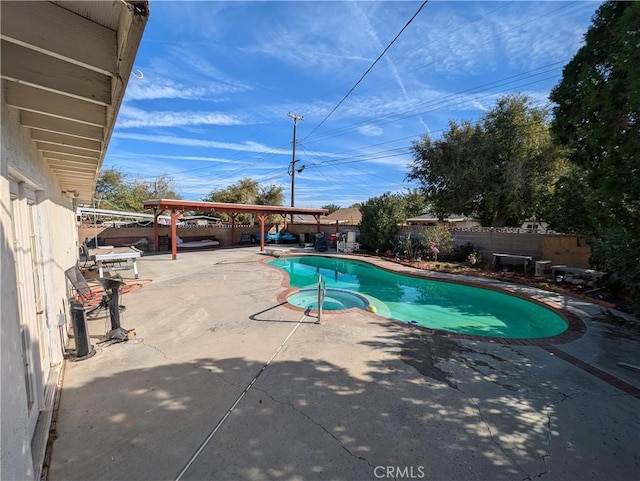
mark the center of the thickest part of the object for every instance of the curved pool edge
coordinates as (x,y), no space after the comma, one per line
(334,294)
(576,327)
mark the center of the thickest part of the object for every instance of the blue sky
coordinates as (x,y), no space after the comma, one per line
(214,82)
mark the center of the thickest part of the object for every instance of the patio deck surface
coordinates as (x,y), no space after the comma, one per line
(222,382)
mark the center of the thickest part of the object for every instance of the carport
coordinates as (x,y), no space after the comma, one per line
(177,207)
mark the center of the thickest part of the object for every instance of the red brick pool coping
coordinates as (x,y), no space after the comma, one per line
(597,372)
(576,327)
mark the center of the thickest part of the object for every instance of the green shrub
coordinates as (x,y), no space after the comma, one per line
(618,253)
(380,219)
(438,241)
(409,246)
(467,253)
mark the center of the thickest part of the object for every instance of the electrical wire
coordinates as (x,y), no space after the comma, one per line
(448,101)
(426,107)
(369,69)
(453,99)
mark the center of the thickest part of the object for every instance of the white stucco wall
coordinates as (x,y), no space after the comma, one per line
(55,219)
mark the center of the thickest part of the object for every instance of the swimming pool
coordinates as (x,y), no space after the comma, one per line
(428,303)
(334,299)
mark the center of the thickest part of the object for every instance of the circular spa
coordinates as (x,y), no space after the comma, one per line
(334,299)
(433,304)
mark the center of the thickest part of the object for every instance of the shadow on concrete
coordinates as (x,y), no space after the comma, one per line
(431,405)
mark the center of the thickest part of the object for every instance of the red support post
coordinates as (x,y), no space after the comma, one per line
(156,232)
(262,219)
(174,234)
(233,228)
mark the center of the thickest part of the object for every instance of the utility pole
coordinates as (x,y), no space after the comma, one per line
(293,156)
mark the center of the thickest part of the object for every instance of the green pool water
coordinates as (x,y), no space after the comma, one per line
(434,304)
(334,299)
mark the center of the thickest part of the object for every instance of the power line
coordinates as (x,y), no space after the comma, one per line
(369,69)
(448,101)
(426,65)
(453,99)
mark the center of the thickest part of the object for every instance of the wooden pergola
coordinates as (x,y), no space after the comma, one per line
(177,207)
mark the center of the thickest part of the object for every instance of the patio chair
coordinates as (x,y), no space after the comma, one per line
(92,296)
(85,258)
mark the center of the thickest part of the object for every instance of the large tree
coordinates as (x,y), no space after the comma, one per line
(415,203)
(597,115)
(114,190)
(244,191)
(162,187)
(247,191)
(380,219)
(270,195)
(331,208)
(497,170)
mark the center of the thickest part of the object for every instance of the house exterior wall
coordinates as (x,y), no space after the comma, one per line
(34,293)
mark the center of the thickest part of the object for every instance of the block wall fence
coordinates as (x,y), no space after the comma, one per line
(559,249)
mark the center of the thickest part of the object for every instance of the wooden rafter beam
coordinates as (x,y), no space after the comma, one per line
(52,150)
(54,138)
(55,31)
(57,125)
(36,100)
(70,158)
(62,164)
(33,68)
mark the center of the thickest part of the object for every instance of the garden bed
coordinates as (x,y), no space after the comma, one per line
(518,277)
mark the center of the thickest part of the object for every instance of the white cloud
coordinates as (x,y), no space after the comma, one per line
(223,75)
(248,146)
(182,73)
(152,157)
(135,118)
(461,42)
(143,89)
(370,130)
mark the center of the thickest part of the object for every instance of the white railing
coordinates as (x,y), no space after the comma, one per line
(322,291)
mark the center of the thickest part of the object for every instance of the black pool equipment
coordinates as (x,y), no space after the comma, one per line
(321,244)
(112,288)
(84,349)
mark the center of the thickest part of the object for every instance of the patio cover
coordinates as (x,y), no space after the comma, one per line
(262,211)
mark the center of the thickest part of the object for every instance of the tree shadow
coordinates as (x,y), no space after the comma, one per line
(443,408)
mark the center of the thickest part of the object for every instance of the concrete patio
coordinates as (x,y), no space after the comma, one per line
(222,382)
